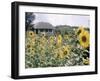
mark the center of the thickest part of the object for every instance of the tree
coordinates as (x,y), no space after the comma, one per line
(29,18)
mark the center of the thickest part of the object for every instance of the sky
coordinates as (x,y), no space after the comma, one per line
(61,19)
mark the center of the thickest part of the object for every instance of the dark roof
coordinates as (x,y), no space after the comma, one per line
(43,25)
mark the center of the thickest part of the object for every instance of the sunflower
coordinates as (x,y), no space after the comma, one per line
(30,41)
(79,30)
(29,49)
(86,61)
(84,39)
(59,40)
(44,34)
(30,34)
(32,51)
(65,50)
(28,46)
(51,39)
(42,47)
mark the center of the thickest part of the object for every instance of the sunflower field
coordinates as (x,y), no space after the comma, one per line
(69,48)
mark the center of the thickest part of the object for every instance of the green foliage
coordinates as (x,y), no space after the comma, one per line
(50,54)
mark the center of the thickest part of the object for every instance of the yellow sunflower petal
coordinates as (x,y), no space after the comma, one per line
(59,40)
(30,34)
(84,39)
(86,61)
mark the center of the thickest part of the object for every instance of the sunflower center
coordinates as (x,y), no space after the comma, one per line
(84,39)
(28,46)
(65,52)
(30,33)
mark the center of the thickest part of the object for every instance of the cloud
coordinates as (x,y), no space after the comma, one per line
(59,19)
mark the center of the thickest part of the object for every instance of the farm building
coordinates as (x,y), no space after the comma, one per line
(43,27)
